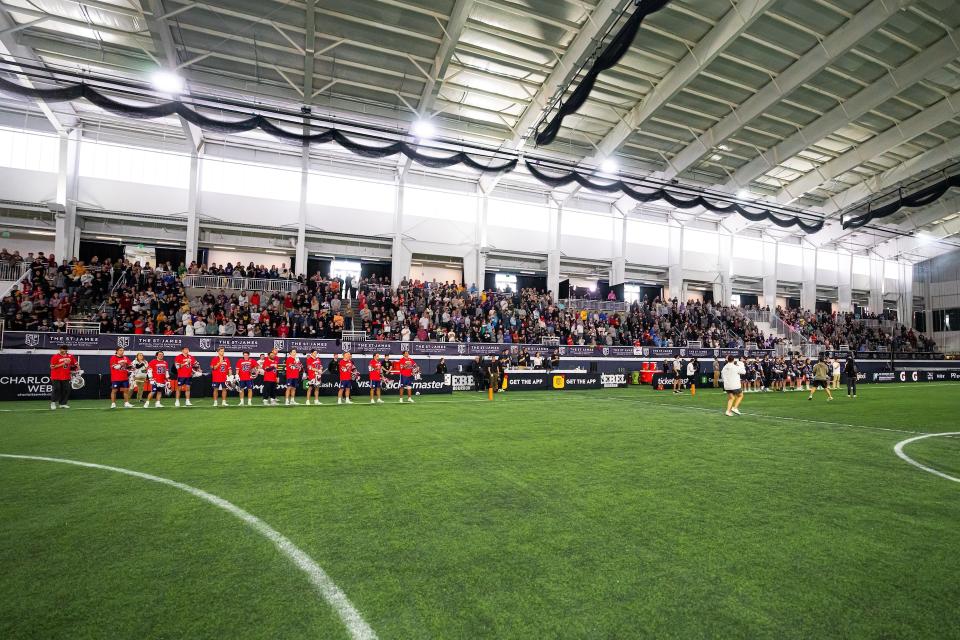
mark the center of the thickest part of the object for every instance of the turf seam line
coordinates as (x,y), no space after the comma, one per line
(355,624)
(898,449)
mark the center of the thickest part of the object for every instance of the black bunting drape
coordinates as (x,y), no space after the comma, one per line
(609,57)
(674,196)
(680,201)
(919,198)
(175,107)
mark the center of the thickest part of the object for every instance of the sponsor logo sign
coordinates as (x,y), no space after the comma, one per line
(612,380)
(558,381)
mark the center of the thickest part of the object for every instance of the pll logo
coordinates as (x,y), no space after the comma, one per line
(404,346)
(278,345)
(32,339)
(716,353)
(563,351)
(461,349)
(206,344)
(123,342)
(683,353)
(606,351)
(646,352)
(346,345)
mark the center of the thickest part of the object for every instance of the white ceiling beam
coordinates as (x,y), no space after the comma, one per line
(918,165)
(431,89)
(734,22)
(934,57)
(66,118)
(452,32)
(728,29)
(906,244)
(864,23)
(916,219)
(166,49)
(929,118)
(598,23)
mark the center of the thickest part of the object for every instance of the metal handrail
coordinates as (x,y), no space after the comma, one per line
(17,274)
(272,285)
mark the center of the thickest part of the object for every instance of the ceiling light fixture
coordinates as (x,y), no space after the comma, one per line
(744,194)
(34,232)
(716,157)
(167,82)
(109,238)
(423,129)
(609,166)
(169,243)
(220,246)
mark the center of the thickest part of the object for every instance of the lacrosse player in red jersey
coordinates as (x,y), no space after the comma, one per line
(376,379)
(157,371)
(346,370)
(293,368)
(408,369)
(246,370)
(185,365)
(219,370)
(314,371)
(120,378)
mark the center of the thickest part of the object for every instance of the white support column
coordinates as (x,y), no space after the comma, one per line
(771,261)
(845,282)
(402,256)
(905,307)
(301,264)
(808,286)
(193,206)
(66,242)
(876,284)
(553,251)
(723,290)
(475,262)
(675,262)
(618,266)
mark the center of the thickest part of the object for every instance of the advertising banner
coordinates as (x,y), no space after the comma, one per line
(148,344)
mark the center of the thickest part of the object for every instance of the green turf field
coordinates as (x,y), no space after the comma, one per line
(609,514)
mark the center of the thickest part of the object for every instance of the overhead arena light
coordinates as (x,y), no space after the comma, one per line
(220,246)
(109,238)
(925,238)
(34,232)
(279,253)
(744,194)
(167,82)
(609,166)
(168,243)
(423,129)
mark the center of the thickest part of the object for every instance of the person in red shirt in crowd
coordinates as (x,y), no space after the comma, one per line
(269,369)
(407,367)
(254,299)
(346,369)
(246,370)
(283,330)
(120,378)
(293,369)
(219,370)
(62,365)
(376,379)
(159,370)
(314,371)
(185,364)
(138,325)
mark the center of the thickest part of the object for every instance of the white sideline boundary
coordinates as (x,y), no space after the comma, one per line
(355,624)
(898,449)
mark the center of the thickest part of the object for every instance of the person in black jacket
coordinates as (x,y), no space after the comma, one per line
(850,370)
(442,367)
(477,369)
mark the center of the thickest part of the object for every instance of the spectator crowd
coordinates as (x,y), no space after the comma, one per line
(125,297)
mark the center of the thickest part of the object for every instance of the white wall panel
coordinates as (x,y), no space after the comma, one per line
(114,195)
(20,185)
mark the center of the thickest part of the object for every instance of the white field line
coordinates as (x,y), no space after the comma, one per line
(898,449)
(331,593)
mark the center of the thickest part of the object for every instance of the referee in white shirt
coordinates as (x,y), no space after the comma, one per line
(730,374)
